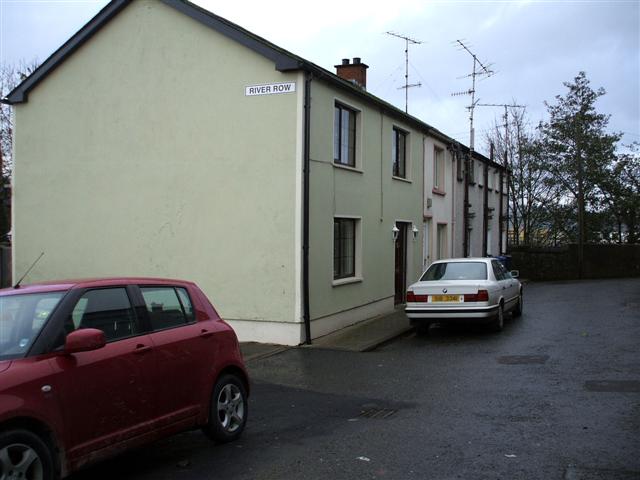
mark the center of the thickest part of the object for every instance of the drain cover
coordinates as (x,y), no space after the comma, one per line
(618,386)
(377,413)
(523,359)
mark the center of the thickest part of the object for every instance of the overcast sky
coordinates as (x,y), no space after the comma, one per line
(533,46)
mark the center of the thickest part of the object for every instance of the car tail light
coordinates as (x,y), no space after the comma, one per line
(481,296)
(412,297)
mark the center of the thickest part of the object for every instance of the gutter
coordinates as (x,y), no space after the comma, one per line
(305,207)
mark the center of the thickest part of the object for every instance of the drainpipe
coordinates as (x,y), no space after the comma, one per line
(501,214)
(466,204)
(305,209)
(485,205)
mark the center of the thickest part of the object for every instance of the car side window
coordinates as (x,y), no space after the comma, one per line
(186,304)
(167,308)
(498,270)
(107,309)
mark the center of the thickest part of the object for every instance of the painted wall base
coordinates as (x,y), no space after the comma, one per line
(337,321)
(281,333)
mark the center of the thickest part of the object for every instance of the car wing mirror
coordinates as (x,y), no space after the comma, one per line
(84,340)
(515,273)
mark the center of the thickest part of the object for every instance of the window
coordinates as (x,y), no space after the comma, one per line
(344,248)
(438,169)
(441,246)
(107,309)
(459,166)
(21,319)
(456,271)
(167,308)
(499,271)
(344,136)
(399,153)
(472,171)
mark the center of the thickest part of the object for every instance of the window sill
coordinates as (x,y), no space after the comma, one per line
(347,167)
(402,179)
(437,191)
(346,281)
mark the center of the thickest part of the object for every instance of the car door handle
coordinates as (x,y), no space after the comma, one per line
(205,333)
(141,348)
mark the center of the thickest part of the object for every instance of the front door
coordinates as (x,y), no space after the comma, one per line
(401,263)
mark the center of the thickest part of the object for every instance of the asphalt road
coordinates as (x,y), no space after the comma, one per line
(556,395)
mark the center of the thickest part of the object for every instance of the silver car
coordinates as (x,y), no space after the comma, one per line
(464,288)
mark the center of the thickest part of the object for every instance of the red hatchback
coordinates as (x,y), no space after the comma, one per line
(91,368)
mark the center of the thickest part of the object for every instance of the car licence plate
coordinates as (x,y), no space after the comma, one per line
(445,298)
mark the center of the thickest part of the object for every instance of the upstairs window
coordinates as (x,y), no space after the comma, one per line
(472,171)
(438,169)
(344,136)
(399,153)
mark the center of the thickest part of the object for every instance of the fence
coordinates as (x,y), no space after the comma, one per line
(561,263)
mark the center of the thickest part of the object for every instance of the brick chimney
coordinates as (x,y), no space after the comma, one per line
(355,72)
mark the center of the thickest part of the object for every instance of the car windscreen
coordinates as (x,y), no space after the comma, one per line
(21,320)
(456,271)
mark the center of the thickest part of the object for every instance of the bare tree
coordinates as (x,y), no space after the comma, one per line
(530,195)
(11,74)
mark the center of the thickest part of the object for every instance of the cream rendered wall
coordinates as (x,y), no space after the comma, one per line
(141,155)
(368,192)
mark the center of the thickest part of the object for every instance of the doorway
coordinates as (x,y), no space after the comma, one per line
(401,263)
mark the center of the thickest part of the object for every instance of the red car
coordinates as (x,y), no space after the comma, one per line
(91,368)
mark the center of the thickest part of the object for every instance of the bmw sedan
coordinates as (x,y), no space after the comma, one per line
(92,368)
(464,288)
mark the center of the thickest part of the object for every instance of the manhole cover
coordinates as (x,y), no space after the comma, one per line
(377,413)
(618,386)
(523,359)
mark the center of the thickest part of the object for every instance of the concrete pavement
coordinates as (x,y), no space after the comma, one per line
(361,337)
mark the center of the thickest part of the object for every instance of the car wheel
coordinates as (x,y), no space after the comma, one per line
(518,310)
(498,321)
(228,410)
(24,456)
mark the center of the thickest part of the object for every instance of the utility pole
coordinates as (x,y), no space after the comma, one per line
(479,70)
(507,167)
(407,86)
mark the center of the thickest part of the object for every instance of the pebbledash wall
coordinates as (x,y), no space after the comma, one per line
(477,186)
(141,155)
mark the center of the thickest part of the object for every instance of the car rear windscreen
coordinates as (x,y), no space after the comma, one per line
(456,271)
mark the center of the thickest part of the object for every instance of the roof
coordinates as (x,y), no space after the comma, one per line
(284,61)
(62,285)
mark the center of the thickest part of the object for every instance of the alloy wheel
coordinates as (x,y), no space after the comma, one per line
(230,408)
(20,462)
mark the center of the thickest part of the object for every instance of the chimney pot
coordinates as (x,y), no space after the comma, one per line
(356,60)
(345,61)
